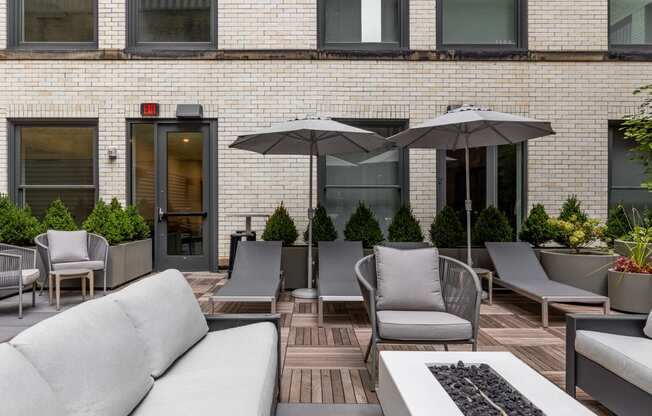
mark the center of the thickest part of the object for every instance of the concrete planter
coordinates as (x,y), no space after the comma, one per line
(127,261)
(621,247)
(630,292)
(479,255)
(587,271)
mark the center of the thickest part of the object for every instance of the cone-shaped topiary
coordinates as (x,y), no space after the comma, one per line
(446,230)
(124,222)
(58,217)
(617,226)
(404,227)
(138,224)
(103,221)
(536,228)
(280,227)
(323,228)
(363,226)
(17,225)
(572,208)
(492,225)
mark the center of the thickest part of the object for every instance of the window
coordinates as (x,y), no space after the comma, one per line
(481,24)
(55,160)
(363,24)
(497,179)
(625,174)
(630,23)
(172,24)
(379,179)
(53,24)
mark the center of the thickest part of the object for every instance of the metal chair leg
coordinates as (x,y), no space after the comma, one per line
(33,294)
(366,355)
(320,309)
(544,314)
(20,300)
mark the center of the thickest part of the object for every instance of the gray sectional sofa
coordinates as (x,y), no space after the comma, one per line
(610,358)
(145,350)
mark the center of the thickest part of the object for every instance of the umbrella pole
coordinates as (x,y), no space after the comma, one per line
(468,205)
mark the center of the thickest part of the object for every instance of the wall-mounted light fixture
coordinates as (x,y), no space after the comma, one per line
(113,153)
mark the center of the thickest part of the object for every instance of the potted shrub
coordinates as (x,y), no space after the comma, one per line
(536,228)
(582,266)
(620,226)
(130,251)
(18,226)
(363,226)
(323,228)
(404,228)
(492,225)
(630,280)
(58,217)
(294,258)
(447,233)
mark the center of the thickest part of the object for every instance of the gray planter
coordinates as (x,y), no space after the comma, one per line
(621,247)
(479,255)
(294,263)
(127,262)
(587,271)
(630,292)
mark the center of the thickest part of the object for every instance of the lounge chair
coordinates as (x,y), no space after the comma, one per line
(256,275)
(337,281)
(519,270)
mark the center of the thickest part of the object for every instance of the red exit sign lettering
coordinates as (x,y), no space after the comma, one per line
(149,109)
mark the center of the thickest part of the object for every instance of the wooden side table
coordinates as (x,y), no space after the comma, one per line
(61,275)
(489,276)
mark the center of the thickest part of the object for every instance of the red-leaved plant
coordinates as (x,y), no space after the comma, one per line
(640,253)
(628,265)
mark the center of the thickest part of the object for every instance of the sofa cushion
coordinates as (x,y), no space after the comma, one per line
(648,326)
(628,357)
(23,392)
(408,279)
(166,315)
(229,372)
(66,246)
(92,358)
(76,265)
(423,326)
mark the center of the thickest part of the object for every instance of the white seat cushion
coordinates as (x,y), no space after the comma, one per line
(23,392)
(423,326)
(92,358)
(76,265)
(67,246)
(230,372)
(628,357)
(166,315)
(30,276)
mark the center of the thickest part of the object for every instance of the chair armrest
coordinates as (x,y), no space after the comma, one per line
(628,325)
(10,270)
(27,255)
(98,248)
(226,321)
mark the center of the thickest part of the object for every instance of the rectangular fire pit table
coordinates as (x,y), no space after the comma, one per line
(407,387)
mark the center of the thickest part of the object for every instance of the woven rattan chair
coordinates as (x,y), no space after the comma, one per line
(18,271)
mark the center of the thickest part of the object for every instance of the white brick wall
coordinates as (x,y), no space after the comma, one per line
(423,31)
(112,21)
(3,24)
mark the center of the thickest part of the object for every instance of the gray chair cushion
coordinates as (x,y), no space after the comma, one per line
(423,326)
(648,326)
(23,392)
(76,265)
(166,315)
(230,372)
(92,358)
(628,357)
(408,279)
(67,246)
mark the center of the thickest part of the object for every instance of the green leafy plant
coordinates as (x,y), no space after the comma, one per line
(123,221)
(17,225)
(638,128)
(323,228)
(58,217)
(618,225)
(280,227)
(639,249)
(536,229)
(103,221)
(446,229)
(140,228)
(576,233)
(492,225)
(363,226)
(404,227)
(572,210)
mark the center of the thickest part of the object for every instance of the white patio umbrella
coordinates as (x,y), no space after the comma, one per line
(466,127)
(312,137)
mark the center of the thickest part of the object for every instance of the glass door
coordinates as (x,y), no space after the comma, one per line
(183,197)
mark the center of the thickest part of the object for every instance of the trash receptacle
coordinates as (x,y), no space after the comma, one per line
(236,237)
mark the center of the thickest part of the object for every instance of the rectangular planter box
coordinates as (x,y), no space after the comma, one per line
(127,262)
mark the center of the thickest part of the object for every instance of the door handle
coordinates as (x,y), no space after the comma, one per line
(161,214)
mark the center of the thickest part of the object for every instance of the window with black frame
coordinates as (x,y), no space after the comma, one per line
(53,24)
(626,174)
(172,24)
(55,160)
(481,24)
(363,24)
(379,179)
(630,24)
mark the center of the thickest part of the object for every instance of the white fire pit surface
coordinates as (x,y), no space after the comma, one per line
(408,388)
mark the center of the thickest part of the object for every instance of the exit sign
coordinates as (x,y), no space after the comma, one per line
(149,109)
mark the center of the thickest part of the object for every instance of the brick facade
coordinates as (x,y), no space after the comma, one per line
(579,98)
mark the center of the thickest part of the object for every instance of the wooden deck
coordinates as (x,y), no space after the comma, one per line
(325,365)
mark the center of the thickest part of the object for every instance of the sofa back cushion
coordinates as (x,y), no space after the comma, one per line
(65,246)
(92,358)
(23,392)
(648,326)
(166,315)
(408,279)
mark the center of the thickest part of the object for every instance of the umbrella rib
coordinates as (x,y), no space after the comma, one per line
(280,139)
(353,142)
(420,137)
(499,133)
(539,128)
(244,140)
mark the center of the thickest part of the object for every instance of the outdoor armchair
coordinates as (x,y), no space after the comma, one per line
(461,292)
(98,256)
(18,271)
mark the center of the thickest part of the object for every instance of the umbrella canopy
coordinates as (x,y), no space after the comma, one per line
(470,126)
(310,136)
